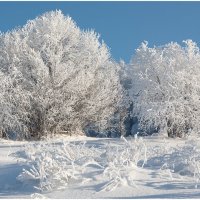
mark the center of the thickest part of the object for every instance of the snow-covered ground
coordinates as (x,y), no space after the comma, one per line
(82,167)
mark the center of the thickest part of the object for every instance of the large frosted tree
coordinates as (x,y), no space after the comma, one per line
(166,88)
(60,78)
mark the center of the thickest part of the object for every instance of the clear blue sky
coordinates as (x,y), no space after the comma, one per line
(122,25)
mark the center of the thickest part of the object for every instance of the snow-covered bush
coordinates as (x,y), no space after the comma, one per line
(182,161)
(123,163)
(166,88)
(62,78)
(50,166)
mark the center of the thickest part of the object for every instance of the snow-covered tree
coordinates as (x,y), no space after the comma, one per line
(166,87)
(63,78)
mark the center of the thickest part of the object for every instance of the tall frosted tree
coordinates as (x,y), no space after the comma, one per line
(166,87)
(61,78)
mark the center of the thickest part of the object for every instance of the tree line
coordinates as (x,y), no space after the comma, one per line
(57,78)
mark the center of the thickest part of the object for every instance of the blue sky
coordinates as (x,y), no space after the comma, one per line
(122,25)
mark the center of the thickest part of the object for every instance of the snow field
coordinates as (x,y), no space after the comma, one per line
(86,167)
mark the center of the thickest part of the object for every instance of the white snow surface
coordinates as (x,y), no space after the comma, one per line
(83,167)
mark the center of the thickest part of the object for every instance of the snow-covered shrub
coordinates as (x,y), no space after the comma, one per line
(179,162)
(185,161)
(123,162)
(51,166)
(62,78)
(166,88)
